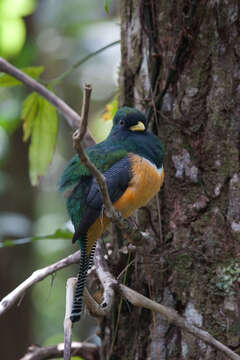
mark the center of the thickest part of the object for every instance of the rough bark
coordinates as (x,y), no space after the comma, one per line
(180,63)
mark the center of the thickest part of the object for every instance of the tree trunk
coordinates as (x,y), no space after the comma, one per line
(180,64)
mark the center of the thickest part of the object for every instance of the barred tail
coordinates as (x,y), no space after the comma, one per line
(85,263)
(91,257)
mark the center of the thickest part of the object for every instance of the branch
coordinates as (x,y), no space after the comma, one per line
(142,301)
(38,275)
(71,116)
(82,126)
(86,350)
(9,300)
(108,282)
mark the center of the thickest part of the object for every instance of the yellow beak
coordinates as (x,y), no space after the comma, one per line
(138,127)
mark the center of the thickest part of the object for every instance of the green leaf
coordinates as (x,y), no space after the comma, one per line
(107,4)
(29,113)
(9,81)
(59,234)
(43,139)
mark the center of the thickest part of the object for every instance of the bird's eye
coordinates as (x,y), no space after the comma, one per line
(121,122)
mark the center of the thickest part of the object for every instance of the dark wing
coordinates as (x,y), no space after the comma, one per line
(102,155)
(117,179)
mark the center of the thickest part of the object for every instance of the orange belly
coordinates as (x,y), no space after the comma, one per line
(144,185)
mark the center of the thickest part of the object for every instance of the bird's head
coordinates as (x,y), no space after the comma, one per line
(129,119)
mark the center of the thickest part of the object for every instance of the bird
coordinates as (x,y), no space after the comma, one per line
(131,160)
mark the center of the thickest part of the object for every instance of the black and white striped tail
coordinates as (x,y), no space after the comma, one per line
(85,263)
(91,257)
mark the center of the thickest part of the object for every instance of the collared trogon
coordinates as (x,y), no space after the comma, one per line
(131,159)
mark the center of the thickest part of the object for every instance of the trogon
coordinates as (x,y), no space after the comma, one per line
(131,159)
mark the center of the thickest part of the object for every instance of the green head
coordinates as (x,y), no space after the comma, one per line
(129,119)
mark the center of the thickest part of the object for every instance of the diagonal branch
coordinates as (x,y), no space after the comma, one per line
(8,301)
(71,116)
(172,316)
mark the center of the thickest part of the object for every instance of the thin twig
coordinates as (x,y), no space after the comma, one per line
(126,268)
(82,129)
(83,349)
(71,116)
(70,287)
(58,79)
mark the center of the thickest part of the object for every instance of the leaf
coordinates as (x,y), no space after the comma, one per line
(59,234)
(107,4)
(29,113)
(9,81)
(111,110)
(43,139)
(100,129)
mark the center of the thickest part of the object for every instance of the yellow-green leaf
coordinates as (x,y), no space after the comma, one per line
(43,139)
(101,126)
(29,113)
(9,81)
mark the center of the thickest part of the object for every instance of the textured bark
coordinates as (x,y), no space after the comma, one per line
(181,64)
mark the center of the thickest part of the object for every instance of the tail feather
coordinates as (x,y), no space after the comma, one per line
(91,257)
(85,263)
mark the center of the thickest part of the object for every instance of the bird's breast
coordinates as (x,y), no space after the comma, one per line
(145,183)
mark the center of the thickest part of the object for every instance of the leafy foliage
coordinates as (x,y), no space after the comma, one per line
(43,139)
(10,81)
(40,121)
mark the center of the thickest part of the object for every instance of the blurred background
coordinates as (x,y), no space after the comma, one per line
(55,34)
